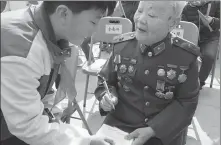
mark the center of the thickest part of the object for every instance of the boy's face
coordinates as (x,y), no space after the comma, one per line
(152,21)
(75,27)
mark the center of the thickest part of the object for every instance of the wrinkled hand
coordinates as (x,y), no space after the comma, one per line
(101,141)
(108,102)
(141,135)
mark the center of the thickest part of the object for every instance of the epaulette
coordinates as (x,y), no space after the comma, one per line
(186,45)
(124,37)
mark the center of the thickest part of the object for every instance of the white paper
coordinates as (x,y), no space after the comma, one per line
(113,29)
(178,32)
(98,64)
(115,134)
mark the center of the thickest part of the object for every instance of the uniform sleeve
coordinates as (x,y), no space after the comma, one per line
(22,107)
(215,24)
(178,115)
(110,75)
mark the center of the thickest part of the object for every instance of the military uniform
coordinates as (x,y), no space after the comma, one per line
(156,86)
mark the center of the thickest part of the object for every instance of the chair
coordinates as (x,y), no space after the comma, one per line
(74,105)
(188,31)
(108,28)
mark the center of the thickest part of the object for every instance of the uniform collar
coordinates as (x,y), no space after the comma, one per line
(41,19)
(156,48)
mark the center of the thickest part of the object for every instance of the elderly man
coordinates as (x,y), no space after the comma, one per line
(152,77)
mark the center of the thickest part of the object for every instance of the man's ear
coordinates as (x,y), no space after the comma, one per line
(63,13)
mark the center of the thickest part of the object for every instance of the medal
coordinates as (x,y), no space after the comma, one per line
(182,78)
(160,86)
(117,59)
(130,69)
(133,61)
(161,72)
(133,73)
(168,95)
(171,74)
(160,94)
(128,80)
(123,68)
(126,88)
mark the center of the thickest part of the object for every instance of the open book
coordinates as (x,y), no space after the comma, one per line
(115,134)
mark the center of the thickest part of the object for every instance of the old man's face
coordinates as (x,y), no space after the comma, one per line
(153,21)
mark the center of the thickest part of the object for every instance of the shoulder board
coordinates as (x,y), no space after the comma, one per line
(124,37)
(186,45)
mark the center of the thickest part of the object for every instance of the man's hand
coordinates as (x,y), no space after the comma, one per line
(209,18)
(108,102)
(141,135)
(101,141)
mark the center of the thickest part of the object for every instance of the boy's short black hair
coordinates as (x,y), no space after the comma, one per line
(79,6)
(3,5)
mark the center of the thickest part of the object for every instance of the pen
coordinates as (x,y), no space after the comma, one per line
(107,89)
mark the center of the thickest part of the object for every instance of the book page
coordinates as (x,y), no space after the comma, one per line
(115,134)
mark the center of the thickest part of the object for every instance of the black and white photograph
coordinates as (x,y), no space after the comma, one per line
(110,72)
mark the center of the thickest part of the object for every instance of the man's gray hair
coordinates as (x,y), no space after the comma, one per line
(178,8)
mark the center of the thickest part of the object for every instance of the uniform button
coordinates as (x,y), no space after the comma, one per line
(146,72)
(146,88)
(150,54)
(147,103)
(146,120)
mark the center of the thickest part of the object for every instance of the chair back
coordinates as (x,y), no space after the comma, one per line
(188,31)
(109,27)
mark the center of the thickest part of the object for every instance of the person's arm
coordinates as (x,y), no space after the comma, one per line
(178,115)
(23,110)
(110,75)
(215,23)
(183,16)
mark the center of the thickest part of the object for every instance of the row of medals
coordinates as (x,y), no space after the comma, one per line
(171,74)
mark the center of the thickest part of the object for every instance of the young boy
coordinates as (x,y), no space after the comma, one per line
(33,48)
